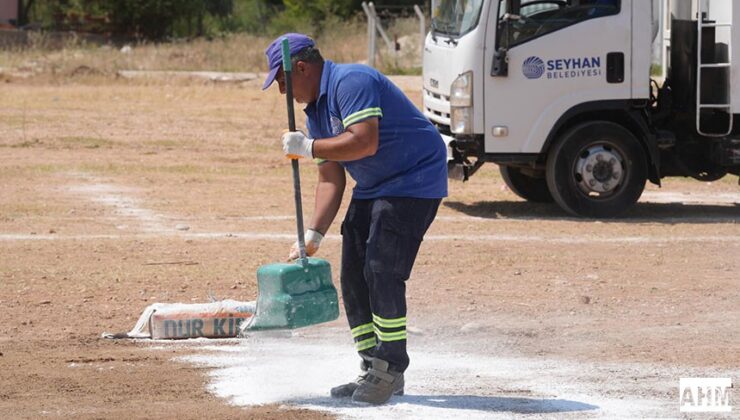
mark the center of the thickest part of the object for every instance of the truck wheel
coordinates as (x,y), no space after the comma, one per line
(527,187)
(597,169)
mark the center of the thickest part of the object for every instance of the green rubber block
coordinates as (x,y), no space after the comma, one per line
(293,296)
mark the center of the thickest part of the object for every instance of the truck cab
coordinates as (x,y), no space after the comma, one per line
(559,95)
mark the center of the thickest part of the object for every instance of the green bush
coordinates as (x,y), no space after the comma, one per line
(151,19)
(156,19)
(159,19)
(307,16)
(247,16)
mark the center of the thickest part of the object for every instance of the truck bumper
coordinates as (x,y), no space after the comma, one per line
(448,140)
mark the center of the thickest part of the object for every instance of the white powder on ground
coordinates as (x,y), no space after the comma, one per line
(690,197)
(125,207)
(275,236)
(299,370)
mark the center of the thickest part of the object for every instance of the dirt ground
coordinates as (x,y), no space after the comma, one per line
(116,194)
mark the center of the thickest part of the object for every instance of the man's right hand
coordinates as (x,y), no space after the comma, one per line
(313,241)
(297,145)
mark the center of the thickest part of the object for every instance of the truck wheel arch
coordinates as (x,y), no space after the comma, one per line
(629,114)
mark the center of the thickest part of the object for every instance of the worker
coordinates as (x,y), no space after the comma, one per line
(359,121)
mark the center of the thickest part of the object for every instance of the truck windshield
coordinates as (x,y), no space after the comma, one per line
(539,17)
(455,17)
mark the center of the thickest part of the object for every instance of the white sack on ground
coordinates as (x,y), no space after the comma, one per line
(220,319)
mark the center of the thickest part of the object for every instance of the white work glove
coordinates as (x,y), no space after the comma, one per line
(313,241)
(296,145)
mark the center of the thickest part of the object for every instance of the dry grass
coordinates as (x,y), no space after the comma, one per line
(346,42)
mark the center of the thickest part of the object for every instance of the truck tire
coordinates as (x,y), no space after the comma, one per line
(597,169)
(527,187)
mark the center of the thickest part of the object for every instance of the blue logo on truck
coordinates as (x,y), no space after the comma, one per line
(533,67)
(562,68)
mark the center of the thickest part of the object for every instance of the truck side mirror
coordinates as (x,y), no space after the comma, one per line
(500,65)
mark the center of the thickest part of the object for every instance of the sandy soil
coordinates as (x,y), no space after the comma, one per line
(99,180)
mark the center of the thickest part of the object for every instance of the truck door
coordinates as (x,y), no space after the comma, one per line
(558,53)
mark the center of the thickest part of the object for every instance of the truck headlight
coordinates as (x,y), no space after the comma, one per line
(461,104)
(461,92)
(461,120)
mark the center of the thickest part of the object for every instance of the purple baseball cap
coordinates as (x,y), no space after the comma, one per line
(274,53)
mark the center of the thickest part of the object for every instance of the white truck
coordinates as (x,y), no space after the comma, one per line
(559,94)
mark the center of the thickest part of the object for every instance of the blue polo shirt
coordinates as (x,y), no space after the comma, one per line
(411,160)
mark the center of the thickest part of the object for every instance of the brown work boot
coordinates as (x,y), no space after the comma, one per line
(379,384)
(346,390)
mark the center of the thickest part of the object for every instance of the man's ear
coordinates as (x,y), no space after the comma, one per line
(301,66)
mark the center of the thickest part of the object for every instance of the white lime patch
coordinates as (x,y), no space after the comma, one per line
(124,206)
(298,371)
(690,198)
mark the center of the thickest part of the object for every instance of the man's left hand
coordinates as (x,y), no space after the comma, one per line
(313,242)
(296,145)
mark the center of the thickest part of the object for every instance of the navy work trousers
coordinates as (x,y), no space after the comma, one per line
(380,240)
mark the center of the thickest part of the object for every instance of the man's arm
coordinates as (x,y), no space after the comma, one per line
(358,141)
(329,191)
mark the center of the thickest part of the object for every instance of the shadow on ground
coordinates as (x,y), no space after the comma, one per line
(640,212)
(465,402)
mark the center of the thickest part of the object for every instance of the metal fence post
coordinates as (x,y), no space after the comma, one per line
(381,31)
(371,33)
(422,27)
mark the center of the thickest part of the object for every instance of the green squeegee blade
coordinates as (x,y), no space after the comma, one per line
(293,296)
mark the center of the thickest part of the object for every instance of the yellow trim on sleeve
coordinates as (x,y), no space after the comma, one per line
(361,115)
